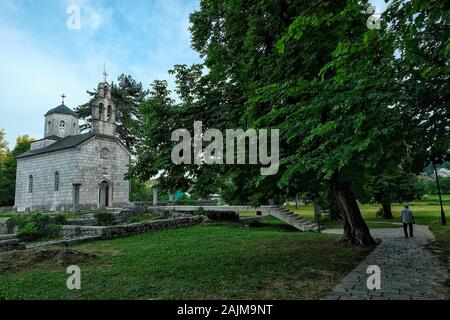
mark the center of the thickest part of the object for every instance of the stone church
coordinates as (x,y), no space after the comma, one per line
(67,170)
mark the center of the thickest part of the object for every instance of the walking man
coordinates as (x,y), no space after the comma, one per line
(407,218)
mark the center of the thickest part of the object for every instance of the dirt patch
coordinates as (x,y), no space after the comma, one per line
(22,259)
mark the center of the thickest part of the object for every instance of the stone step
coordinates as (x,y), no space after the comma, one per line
(8,241)
(7,236)
(292,218)
(297,218)
(11,244)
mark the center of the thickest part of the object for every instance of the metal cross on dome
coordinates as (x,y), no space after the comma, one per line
(63,96)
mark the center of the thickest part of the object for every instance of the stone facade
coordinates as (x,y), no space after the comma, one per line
(77,171)
(61,125)
(83,165)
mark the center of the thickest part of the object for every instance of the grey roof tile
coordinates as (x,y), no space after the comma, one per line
(63,109)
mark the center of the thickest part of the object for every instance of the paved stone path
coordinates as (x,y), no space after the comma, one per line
(409,270)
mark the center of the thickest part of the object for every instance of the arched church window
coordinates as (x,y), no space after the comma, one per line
(101,109)
(109,114)
(30,184)
(56,181)
(49,126)
(62,126)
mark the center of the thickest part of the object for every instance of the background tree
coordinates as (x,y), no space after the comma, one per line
(3,147)
(420,31)
(8,171)
(398,187)
(127,94)
(153,150)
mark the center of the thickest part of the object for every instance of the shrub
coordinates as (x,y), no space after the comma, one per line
(140,191)
(431,186)
(59,219)
(183,202)
(199,211)
(28,232)
(104,218)
(18,220)
(38,227)
(50,231)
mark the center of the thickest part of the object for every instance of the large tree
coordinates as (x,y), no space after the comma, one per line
(315,71)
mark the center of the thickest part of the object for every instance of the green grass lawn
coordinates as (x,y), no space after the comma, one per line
(270,260)
(209,261)
(426,211)
(442,234)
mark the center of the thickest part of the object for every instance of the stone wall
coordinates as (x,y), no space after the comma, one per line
(11,244)
(93,169)
(107,232)
(52,125)
(3,226)
(43,167)
(6,209)
(82,222)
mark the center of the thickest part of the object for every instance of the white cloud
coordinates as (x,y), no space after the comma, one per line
(32,80)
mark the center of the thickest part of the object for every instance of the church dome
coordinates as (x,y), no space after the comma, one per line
(62,109)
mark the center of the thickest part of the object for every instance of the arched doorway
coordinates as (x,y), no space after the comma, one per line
(104,194)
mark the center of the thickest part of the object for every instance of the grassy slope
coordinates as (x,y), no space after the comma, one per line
(213,261)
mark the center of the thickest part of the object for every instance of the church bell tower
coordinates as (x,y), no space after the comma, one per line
(103,110)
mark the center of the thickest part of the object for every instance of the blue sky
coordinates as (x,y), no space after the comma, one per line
(40,58)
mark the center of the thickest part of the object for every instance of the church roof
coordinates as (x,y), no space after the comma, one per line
(65,143)
(62,109)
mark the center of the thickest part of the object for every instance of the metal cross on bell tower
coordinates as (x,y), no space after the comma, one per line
(104,73)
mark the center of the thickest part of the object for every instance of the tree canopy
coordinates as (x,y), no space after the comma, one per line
(351,103)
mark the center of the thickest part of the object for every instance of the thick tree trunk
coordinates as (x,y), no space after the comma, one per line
(387,211)
(355,228)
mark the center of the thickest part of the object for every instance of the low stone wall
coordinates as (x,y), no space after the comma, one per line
(124,214)
(64,242)
(82,222)
(6,209)
(107,232)
(11,244)
(138,207)
(74,231)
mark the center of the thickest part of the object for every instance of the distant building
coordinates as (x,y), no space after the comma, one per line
(443,172)
(67,170)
